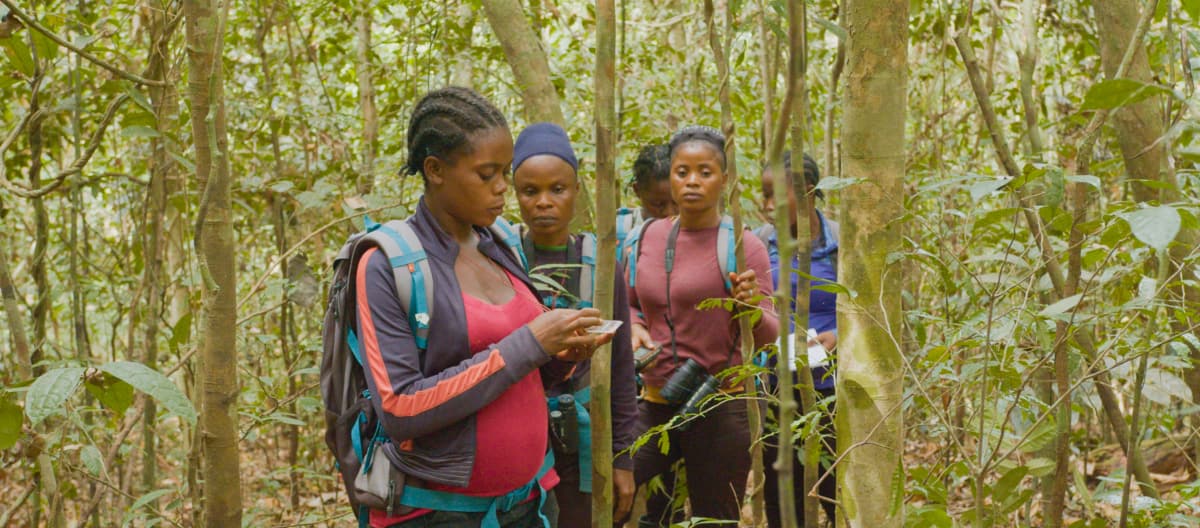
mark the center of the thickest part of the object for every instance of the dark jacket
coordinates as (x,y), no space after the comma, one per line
(624,381)
(428,400)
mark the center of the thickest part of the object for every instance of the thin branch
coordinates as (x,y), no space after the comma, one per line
(75,168)
(30,22)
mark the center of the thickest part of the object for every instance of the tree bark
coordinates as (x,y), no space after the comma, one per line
(1139,128)
(215,245)
(528,60)
(870,372)
(606,196)
(366,99)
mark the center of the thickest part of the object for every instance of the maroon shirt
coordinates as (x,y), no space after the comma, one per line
(708,336)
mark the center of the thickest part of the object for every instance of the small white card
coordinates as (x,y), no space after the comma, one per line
(817,355)
(608,326)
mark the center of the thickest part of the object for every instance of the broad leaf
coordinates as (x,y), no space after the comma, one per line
(156,385)
(92,460)
(833,183)
(1062,306)
(48,393)
(11,419)
(986,187)
(1086,179)
(1154,226)
(1115,93)
(1008,483)
(112,393)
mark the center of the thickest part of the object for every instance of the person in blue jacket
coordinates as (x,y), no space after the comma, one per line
(822,319)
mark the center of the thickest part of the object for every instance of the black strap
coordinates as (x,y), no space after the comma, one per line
(669,266)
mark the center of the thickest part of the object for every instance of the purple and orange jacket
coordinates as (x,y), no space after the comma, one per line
(427,400)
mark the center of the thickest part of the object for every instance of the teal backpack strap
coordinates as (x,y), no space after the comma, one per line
(587,272)
(632,241)
(624,224)
(726,251)
(415,497)
(511,237)
(410,266)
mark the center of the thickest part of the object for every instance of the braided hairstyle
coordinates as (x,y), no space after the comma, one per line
(444,121)
(812,174)
(652,166)
(703,134)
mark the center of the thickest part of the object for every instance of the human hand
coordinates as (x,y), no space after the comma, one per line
(827,340)
(640,337)
(745,285)
(561,333)
(623,490)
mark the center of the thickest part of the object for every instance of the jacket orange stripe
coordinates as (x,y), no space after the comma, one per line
(408,405)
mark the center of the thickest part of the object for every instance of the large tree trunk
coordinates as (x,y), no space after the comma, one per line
(870,372)
(606,197)
(1139,128)
(218,260)
(527,59)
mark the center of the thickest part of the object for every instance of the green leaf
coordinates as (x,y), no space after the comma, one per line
(1040,467)
(1085,179)
(11,419)
(1192,7)
(834,183)
(1154,226)
(92,460)
(50,391)
(181,333)
(1115,93)
(18,53)
(829,25)
(111,392)
(151,382)
(1062,306)
(140,99)
(137,131)
(1008,483)
(141,502)
(986,187)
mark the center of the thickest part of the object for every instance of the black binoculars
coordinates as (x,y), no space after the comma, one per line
(688,387)
(564,424)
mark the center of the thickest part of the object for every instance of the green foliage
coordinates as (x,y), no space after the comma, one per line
(155,385)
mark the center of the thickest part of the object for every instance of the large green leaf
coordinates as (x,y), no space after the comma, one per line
(156,385)
(1062,306)
(1154,226)
(111,392)
(48,393)
(11,419)
(1115,93)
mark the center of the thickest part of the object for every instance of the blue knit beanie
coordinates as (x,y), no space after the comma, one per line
(543,138)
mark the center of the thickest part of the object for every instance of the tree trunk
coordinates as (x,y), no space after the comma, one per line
(41,239)
(870,372)
(165,100)
(528,60)
(215,246)
(606,196)
(12,312)
(1139,128)
(366,99)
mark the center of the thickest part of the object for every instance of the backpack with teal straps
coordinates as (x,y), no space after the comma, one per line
(726,250)
(353,432)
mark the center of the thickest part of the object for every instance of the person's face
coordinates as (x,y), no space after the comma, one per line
(768,189)
(546,188)
(472,183)
(696,177)
(656,199)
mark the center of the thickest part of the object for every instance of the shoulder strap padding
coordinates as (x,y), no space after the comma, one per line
(587,272)
(726,251)
(511,237)
(632,241)
(410,267)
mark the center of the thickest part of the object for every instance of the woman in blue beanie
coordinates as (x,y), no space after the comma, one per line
(546,179)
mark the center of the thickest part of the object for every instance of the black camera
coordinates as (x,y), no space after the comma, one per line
(644,357)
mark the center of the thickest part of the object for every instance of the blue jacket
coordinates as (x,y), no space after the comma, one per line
(822,305)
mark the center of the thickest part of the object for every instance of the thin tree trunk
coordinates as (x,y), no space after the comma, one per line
(215,245)
(366,98)
(870,372)
(720,51)
(163,167)
(528,60)
(41,237)
(839,63)
(12,312)
(769,76)
(606,196)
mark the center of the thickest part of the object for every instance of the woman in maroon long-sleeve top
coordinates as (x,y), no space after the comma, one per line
(715,445)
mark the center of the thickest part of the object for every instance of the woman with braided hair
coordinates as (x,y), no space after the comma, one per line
(464,408)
